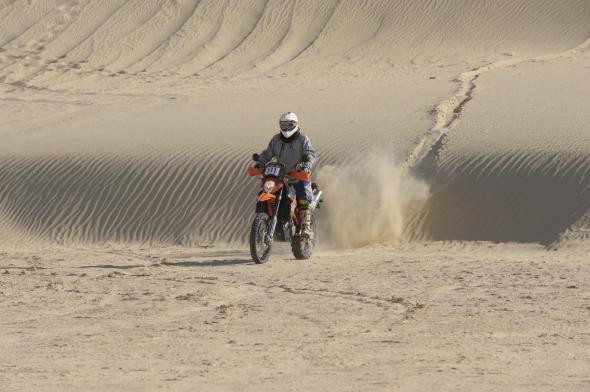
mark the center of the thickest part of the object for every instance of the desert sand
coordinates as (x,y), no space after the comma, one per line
(454,152)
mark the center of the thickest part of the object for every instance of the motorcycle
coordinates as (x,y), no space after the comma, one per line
(277,216)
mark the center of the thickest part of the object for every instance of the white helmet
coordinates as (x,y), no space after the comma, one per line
(289,124)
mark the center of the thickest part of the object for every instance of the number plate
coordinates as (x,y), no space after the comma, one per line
(272,171)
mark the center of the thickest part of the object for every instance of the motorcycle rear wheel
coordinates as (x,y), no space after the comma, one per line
(259,248)
(302,248)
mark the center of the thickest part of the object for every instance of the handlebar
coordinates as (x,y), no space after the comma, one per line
(298,175)
(254,171)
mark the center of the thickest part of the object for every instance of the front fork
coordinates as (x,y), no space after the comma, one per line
(274,219)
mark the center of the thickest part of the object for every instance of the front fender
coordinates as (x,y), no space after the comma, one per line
(266,196)
(265,206)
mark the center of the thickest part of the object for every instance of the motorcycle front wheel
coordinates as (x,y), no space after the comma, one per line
(260,245)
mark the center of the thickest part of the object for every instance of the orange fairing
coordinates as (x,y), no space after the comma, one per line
(254,171)
(266,196)
(301,176)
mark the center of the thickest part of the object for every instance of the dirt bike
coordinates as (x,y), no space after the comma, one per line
(277,216)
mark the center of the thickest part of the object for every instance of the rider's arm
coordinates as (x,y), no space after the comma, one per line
(309,153)
(266,155)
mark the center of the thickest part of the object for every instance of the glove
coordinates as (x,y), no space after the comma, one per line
(303,167)
(258,165)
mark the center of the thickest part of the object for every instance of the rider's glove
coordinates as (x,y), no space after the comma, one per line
(303,167)
(258,165)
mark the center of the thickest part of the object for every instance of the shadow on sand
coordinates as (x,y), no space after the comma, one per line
(203,263)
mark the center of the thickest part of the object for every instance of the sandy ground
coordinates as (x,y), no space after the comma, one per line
(434,316)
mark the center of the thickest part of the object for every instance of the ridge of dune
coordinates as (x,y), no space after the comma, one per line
(514,195)
(156,198)
(106,198)
(449,110)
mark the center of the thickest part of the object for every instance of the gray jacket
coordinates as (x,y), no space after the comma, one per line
(290,153)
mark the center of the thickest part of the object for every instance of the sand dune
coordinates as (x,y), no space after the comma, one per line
(102,198)
(132,121)
(156,199)
(511,197)
(515,168)
(52,42)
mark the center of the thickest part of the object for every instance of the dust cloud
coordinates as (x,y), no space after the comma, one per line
(366,201)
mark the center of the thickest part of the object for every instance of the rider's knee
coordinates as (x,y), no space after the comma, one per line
(303,204)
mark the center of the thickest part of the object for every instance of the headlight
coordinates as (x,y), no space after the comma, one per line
(268,186)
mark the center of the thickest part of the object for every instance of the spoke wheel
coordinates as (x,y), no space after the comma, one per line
(260,244)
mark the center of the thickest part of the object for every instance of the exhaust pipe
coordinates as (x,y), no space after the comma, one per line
(317,197)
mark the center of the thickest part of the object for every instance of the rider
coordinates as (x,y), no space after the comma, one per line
(292,148)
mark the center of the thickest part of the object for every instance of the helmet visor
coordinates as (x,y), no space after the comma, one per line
(287,126)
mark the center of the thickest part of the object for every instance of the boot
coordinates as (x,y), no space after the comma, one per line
(305,231)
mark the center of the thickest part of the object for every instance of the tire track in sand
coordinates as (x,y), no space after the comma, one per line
(498,197)
(448,111)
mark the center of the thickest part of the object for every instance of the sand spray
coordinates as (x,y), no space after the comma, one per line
(366,200)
